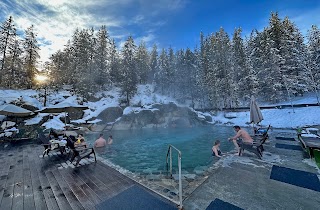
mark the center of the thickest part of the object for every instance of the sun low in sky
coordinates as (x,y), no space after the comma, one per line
(175,23)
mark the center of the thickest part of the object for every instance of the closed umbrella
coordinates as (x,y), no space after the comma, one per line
(15,111)
(63,107)
(255,112)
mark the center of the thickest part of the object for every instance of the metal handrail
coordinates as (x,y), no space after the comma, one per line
(169,155)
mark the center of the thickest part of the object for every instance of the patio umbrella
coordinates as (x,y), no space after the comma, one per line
(255,112)
(63,107)
(15,111)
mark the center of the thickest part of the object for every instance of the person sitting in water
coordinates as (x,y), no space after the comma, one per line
(80,141)
(243,135)
(110,140)
(216,149)
(100,142)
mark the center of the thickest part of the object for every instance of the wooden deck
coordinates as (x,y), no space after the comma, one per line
(28,181)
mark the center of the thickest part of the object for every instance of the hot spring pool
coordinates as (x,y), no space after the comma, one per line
(144,151)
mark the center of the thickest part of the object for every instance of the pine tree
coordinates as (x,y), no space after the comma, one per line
(171,73)
(163,76)
(82,60)
(314,59)
(15,74)
(7,39)
(253,53)
(293,52)
(241,83)
(31,55)
(115,71)
(102,57)
(142,63)
(129,74)
(190,84)
(153,63)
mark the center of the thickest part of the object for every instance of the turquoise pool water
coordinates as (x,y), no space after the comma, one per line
(144,151)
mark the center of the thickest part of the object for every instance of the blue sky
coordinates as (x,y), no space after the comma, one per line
(175,23)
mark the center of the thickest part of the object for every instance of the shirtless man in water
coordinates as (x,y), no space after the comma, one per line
(246,138)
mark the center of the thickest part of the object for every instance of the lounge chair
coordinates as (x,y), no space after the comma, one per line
(80,152)
(48,146)
(257,146)
(316,153)
(309,143)
(256,149)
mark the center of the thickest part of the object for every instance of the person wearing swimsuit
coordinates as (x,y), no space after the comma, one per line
(216,149)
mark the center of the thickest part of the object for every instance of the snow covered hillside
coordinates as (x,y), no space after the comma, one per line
(145,96)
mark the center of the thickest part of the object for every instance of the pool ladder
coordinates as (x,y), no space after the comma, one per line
(169,161)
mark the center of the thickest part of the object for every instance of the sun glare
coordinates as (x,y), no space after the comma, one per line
(41,78)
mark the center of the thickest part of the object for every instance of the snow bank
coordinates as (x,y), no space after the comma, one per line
(55,123)
(278,118)
(36,120)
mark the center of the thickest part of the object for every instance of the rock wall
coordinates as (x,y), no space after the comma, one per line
(158,115)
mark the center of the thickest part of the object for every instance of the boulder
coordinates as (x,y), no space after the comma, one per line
(166,115)
(75,114)
(110,114)
(208,118)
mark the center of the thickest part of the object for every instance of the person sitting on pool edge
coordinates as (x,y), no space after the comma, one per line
(243,135)
(216,149)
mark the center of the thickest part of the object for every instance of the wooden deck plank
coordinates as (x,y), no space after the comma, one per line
(117,174)
(17,202)
(72,199)
(108,179)
(109,175)
(45,186)
(6,202)
(4,173)
(28,196)
(95,188)
(39,199)
(81,196)
(28,181)
(59,195)
(91,195)
(101,185)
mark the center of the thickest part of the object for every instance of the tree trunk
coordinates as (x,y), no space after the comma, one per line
(128,103)
(4,54)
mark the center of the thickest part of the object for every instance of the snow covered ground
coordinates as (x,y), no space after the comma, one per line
(278,118)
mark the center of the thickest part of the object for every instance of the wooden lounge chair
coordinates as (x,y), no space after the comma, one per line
(47,145)
(316,153)
(80,152)
(309,144)
(257,146)
(251,148)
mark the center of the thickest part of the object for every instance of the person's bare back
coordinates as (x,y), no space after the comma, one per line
(244,135)
(100,142)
